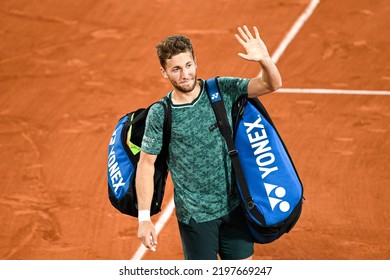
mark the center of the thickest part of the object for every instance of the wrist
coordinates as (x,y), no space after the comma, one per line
(265,59)
(143,216)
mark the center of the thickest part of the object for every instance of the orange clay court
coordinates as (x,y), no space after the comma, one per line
(69,70)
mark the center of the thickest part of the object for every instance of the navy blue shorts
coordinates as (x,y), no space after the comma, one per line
(227,237)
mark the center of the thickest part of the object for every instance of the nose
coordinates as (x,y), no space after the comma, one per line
(185,73)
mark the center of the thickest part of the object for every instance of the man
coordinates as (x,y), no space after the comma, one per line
(207,201)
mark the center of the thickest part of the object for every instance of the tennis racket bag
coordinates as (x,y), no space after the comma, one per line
(270,188)
(123,155)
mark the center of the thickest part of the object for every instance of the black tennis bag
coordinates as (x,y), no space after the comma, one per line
(270,188)
(123,155)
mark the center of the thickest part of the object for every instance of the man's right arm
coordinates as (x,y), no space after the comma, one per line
(145,187)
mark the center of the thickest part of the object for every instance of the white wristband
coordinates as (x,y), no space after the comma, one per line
(143,215)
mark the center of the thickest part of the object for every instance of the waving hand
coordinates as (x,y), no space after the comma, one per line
(254,46)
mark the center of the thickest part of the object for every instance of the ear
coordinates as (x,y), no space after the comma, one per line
(163,72)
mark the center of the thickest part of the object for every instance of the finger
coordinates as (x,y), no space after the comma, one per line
(152,243)
(240,40)
(242,55)
(147,242)
(257,34)
(153,239)
(243,35)
(248,33)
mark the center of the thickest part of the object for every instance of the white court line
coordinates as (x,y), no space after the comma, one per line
(333,91)
(279,51)
(294,30)
(287,40)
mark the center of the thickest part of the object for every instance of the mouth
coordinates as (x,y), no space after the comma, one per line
(186,82)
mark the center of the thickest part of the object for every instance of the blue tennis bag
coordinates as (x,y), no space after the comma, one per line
(123,156)
(270,188)
(271,177)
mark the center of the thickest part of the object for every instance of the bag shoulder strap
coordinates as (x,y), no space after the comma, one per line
(166,104)
(226,131)
(167,125)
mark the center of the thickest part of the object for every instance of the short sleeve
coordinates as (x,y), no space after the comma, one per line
(235,87)
(152,139)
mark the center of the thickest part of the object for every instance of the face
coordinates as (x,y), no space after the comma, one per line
(181,72)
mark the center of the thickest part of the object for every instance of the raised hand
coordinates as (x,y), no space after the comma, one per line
(254,46)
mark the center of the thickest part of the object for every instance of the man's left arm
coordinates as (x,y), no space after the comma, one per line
(269,80)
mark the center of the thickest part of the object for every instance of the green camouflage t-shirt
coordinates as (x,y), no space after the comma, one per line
(199,163)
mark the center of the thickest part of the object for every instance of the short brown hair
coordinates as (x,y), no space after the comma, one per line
(173,45)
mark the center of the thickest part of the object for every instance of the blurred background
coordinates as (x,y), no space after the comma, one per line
(70,69)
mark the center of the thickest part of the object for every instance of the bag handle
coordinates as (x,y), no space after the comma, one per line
(226,131)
